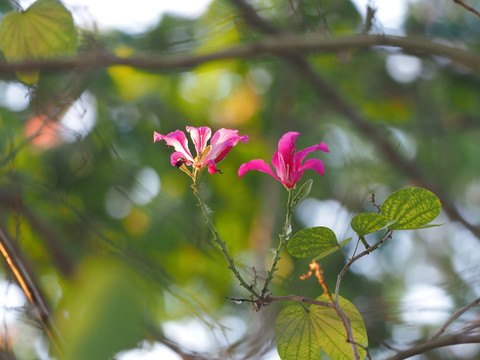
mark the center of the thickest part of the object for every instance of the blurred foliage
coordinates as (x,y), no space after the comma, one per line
(108,226)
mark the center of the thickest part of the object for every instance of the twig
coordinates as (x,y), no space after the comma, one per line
(315,267)
(223,246)
(367,26)
(16,4)
(466,7)
(452,318)
(51,238)
(438,343)
(372,201)
(347,266)
(269,299)
(283,241)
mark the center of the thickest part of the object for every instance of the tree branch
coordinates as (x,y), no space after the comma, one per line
(29,287)
(266,300)
(280,45)
(468,8)
(347,266)
(454,317)
(438,343)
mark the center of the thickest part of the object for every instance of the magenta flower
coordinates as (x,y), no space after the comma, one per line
(287,162)
(222,142)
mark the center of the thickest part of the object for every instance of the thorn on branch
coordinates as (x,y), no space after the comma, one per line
(372,200)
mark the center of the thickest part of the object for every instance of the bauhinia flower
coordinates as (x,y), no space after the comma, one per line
(221,143)
(287,162)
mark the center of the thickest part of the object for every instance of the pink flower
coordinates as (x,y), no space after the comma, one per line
(287,162)
(222,141)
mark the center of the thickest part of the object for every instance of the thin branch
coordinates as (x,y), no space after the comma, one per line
(16,4)
(29,287)
(284,237)
(468,8)
(281,45)
(315,268)
(438,343)
(269,299)
(207,212)
(454,317)
(51,238)
(347,266)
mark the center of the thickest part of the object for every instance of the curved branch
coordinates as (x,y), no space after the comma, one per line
(454,317)
(29,287)
(280,45)
(441,342)
(468,8)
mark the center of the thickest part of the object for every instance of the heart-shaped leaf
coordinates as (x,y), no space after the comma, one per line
(412,208)
(45,30)
(302,333)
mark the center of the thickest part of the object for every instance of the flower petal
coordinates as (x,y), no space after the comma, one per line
(283,159)
(314,164)
(157,136)
(222,142)
(178,140)
(286,145)
(200,136)
(303,153)
(212,169)
(280,166)
(256,164)
(295,176)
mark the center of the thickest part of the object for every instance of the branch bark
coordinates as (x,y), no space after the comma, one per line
(468,8)
(29,286)
(454,317)
(274,46)
(441,342)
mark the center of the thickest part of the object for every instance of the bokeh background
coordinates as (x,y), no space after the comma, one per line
(112,233)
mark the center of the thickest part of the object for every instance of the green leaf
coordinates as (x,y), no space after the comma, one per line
(412,208)
(312,241)
(45,30)
(334,333)
(302,333)
(302,192)
(297,333)
(367,223)
(328,252)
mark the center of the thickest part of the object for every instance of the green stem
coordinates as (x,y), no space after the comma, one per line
(207,212)
(284,236)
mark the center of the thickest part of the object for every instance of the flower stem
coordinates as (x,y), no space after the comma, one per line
(284,237)
(207,212)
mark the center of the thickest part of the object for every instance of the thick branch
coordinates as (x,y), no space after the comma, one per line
(281,45)
(441,342)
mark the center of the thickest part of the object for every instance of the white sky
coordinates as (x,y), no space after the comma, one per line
(136,16)
(140,15)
